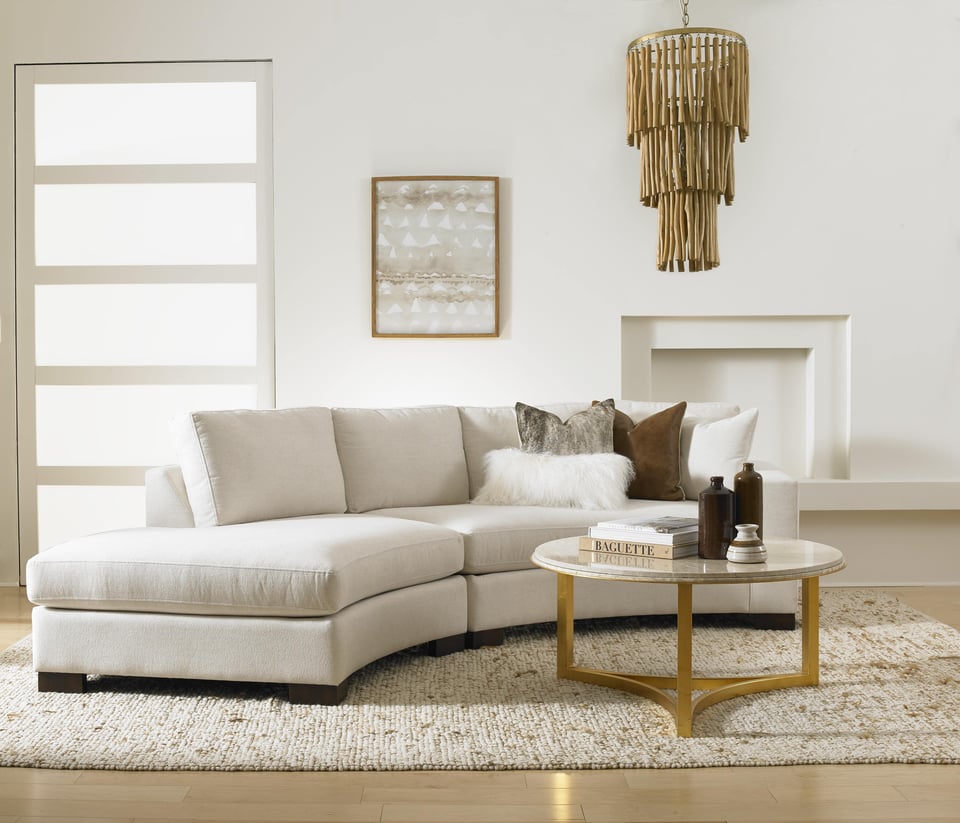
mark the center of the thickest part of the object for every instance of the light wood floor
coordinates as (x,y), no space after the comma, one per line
(772,794)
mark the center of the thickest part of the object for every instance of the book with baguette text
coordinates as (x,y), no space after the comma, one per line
(636,548)
(667,530)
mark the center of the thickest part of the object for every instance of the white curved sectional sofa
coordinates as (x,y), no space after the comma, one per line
(295,546)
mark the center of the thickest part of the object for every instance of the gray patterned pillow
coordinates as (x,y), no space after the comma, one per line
(586,432)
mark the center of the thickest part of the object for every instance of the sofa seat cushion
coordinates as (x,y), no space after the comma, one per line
(301,567)
(502,538)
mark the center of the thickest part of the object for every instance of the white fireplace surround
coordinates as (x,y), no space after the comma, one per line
(795,369)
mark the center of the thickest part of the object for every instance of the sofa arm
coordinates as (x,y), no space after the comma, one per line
(781,511)
(166,495)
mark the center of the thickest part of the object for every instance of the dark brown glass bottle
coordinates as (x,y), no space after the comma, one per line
(748,490)
(715,529)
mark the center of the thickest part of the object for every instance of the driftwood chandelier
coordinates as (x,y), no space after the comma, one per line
(687,90)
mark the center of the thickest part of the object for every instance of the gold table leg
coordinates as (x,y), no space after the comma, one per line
(681,704)
(810,620)
(684,710)
(564,624)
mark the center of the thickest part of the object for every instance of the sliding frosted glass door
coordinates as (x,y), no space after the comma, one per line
(144,275)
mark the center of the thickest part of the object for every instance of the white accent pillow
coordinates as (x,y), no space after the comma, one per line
(718,447)
(240,466)
(584,481)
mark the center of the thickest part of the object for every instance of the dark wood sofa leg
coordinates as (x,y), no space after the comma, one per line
(774,621)
(447,645)
(307,694)
(487,637)
(67,683)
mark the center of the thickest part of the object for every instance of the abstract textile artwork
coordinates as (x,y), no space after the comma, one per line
(435,256)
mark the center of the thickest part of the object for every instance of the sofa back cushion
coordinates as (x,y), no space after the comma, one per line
(488,428)
(401,457)
(241,466)
(695,413)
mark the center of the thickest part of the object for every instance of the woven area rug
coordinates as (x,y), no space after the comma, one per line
(890,692)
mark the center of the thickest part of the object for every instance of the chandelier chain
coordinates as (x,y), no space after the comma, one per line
(684,13)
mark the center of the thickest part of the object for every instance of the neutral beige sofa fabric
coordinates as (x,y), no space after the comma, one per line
(347,534)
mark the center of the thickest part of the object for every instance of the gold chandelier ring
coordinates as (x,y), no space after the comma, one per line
(666,33)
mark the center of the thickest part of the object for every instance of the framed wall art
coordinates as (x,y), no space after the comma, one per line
(436,256)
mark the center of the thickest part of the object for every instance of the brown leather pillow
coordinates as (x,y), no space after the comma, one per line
(653,445)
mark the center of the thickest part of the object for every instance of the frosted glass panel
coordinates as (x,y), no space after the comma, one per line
(115,224)
(121,425)
(147,325)
(122,123)
(65,512)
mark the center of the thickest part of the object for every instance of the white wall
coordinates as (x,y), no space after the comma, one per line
(846,201)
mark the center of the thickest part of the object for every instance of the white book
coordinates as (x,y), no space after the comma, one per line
(667,530)
(681,538)
(666,524)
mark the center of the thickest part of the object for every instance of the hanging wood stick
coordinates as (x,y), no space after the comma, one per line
(664,117)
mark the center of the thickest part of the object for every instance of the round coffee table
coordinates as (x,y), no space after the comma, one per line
(800,560)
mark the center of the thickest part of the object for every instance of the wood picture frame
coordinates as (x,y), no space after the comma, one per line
(435,254)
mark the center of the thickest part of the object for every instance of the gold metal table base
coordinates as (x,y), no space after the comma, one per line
(715,689)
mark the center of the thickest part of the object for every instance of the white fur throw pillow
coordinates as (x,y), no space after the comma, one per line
(583,481)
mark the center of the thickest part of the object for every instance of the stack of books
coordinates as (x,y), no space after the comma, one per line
(664,538)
